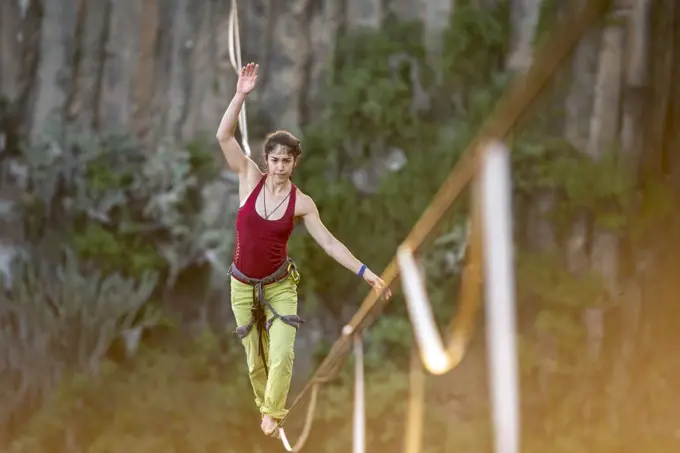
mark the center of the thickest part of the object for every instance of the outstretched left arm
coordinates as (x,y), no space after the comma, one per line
(332,246)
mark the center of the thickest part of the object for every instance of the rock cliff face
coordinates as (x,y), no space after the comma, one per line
(160,68)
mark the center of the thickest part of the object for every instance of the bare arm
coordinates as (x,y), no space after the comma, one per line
(332,246)
(329,243)
(238,162)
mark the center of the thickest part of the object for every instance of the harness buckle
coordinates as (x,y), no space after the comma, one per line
(294,274)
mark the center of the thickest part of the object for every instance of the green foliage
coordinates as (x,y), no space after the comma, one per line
(543,275)
(560,299)
(54,320)
(600,187)
(547,20)
(380,102)
(474,45)
(112,252)
(656,208)
(131,221)
(374,74)
(123,208)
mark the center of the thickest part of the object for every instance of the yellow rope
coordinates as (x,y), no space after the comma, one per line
(506,113)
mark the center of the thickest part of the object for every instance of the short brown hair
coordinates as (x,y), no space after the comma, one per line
(285,139)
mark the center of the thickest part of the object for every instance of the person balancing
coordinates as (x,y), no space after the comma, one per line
(264,278)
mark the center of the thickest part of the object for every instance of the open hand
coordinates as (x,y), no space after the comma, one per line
(377,283)
(247,79)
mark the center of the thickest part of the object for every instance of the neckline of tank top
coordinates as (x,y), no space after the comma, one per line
(262,185)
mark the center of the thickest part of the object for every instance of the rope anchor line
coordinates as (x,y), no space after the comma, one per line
(236,63)
(436,358)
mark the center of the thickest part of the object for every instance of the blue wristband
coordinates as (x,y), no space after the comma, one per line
(362,270)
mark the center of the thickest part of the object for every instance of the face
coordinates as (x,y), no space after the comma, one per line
(280,163)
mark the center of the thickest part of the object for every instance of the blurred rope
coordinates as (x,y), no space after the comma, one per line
(237,64)
(506,113)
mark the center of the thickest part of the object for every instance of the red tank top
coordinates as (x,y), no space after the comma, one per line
(261,244)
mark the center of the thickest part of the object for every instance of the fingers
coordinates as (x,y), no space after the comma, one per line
(379,286)
(386,294)
(250,70)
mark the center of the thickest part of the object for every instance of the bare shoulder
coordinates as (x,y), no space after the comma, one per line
(304,204)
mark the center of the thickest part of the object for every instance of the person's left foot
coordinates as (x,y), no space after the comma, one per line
(269,426)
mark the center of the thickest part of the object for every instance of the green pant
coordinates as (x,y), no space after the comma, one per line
(271,392)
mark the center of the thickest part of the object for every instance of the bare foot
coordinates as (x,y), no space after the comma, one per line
(269,426)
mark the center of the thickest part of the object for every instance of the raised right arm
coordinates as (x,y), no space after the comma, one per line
(237,161)
(232,151)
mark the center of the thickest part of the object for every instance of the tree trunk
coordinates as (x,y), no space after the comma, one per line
(437,14)
(122,57)
(578,108)
(524,16)
(365,13)
(144,76)
(637,45)
(286,89)
(671,147)
(604,134)
(93,33)
(637,58)
(176,96)
(201,71)
(57,46)
(660,102)
(20,39)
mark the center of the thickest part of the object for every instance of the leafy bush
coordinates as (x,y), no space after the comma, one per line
(54,321)
(130,221)
(120,206)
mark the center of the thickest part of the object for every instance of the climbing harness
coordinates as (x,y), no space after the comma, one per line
(258,315)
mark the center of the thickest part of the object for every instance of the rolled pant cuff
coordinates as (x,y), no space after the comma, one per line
(277,415)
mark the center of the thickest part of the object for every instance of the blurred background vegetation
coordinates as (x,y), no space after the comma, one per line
(118,218)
